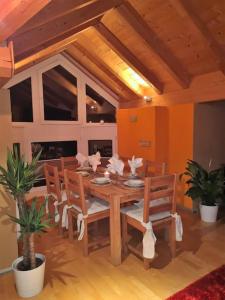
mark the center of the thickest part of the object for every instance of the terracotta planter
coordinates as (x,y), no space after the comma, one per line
(208,213)
(29,283)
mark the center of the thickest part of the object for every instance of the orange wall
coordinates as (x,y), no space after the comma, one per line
(150,125)
(170,130)
(181,127)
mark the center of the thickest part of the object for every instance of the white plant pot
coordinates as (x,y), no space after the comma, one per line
(208,213)
(29,283)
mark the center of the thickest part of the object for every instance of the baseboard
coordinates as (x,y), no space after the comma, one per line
(6,270)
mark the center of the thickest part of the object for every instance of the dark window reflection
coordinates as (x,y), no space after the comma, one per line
(54,150)
(60,95)
(103,146)
(98,108)
(21,101)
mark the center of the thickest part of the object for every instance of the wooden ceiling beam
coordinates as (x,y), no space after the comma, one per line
(113,42)
(14,14)
(109,72)
(162,53)
(62,25)
(6,64)
(55,9)
(48,51)
(113,91)
(185,9)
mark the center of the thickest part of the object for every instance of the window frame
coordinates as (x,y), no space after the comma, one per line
(73,72)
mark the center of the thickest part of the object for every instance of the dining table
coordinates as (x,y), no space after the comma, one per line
(116,194)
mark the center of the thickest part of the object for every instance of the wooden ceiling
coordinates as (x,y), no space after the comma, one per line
(135,47)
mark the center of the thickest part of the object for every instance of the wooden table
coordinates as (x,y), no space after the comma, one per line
(115,193)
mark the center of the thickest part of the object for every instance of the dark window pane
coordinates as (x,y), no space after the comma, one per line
(103,146)
(60,95)
(21,101)
(54,150)
(98,108)
(51,152)
(16,149)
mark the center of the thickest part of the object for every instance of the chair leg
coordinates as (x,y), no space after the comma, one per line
(70,226)
(60,209)
(124,234)
(147,263)
(173,238)
(85,238)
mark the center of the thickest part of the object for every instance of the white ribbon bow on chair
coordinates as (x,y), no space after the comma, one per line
(179,227)
(149,241)
(80,225)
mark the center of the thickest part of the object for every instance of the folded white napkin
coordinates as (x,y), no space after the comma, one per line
(94,160)
(81,159)
(115,165)
(135,163)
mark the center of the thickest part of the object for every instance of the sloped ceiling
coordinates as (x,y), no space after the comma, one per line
(135,47)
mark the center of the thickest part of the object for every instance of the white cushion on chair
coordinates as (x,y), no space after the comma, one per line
(153,203)
(94,205)
(137,213)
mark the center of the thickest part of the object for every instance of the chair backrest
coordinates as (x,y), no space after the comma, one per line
(52,180)
(158,188)
(75,190)
(69,162)
(153,168)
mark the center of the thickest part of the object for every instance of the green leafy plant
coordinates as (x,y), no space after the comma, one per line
(206,187)
(18,178)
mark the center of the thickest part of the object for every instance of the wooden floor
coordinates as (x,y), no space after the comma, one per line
(71,276)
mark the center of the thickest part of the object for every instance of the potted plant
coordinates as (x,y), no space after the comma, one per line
(205,187)
(18,178)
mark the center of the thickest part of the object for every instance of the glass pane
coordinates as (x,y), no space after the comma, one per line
(98,108)
(16,149)
(60,95)
(103,146)
(21,101)
(54,150)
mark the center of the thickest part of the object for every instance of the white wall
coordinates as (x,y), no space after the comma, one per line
(41,130)
(209,133)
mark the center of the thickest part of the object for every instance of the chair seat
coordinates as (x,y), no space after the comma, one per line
(137,213)
(94,205)
(153,203)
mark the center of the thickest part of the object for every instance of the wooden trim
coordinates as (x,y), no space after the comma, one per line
(185,9)
(113,42)
(109,72)
(163,54)
(14,14)
(46,32)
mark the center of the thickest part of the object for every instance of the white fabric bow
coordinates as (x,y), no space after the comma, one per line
(80,225)
(81,159)
(115,165)
(135,163)
(94,160)
(80,221)
(148,241)
(179,227)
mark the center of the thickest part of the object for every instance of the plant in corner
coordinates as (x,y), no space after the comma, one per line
(205,187)
(18,178)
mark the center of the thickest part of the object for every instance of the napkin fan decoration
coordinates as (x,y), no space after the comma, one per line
(94,160)
(115,165)
(135,163)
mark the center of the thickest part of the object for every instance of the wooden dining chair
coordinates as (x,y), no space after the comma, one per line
(153,168)
(57,196)
(80,208)
(160,215)
(69,162)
